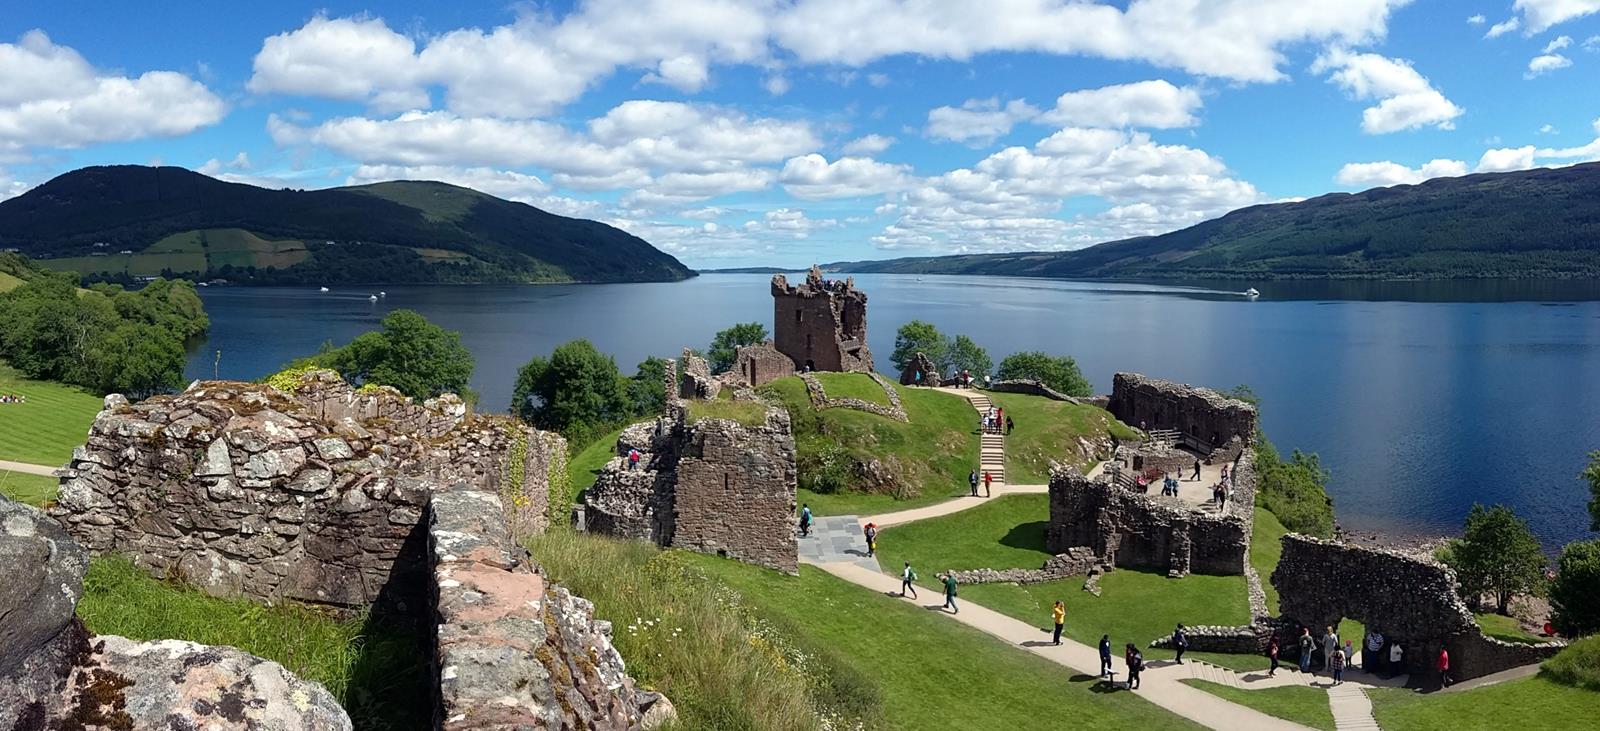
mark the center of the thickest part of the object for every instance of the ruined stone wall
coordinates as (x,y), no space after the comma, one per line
(759,365)
(1030,387)
(821,323)
(511,649)
(696,380)
(714,486)
(820,399)
(1206,418)
(1130,529)
(316,496)
(1409,598)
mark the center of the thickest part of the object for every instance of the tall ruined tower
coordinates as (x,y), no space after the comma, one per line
(821,324)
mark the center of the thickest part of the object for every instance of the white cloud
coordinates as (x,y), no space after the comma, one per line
(1406,100)
(812,177)
(1476,19)
(788,222)
(1373,174)
(871,144)
(877,80)
(776,85)
(978,121)
(50,96)
(1559,43)
(1506,159)
(1548,129)
(1592,43)
(1156,104)
(1540,65)
(1502,28)
(11,188)
(506,184)
(357,59)
(1540,15)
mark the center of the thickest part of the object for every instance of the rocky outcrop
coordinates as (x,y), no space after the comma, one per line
(1207,420)
(921,371)
(316,494)
(513,651)
(53,674)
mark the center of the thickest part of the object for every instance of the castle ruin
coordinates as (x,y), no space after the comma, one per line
(821,324)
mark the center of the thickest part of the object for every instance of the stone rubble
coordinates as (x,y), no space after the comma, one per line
(821,400)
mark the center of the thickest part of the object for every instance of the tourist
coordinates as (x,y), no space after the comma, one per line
(1372,654)
(1396,656)
(906,577)
(1010,425)
(972,480)
(1306,645)
(1549,629)
(1336,665)
(1135,661)
(805,520)
(1180,642)
(1059,614)
(1196,477)
(917,381)
(1272,655)
(1224,473)
(988,480)
(950,593)
(1444,668)
(633,459)
(1105,656)
(871,532)
(1330,642)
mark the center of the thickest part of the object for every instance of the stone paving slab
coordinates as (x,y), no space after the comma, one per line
(837,538)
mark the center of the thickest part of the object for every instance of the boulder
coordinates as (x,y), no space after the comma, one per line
(920,363)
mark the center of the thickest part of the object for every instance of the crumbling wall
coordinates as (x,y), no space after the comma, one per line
(821,324)
(713,485)
(54,674)
(696,380)
(1410,599)
(759,365)
(1030,387)
(511,649)
(315,495)
(921,365)
(818,394)
(1207,419)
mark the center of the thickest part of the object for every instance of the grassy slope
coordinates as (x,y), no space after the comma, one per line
(1529,704)
(1134,606)
(1048,429)
(935,673)
(584,465)
(933,452)
(1297,703)
(1505,628)
(9,282)
(379,675)
(44,430)
(852,385)
(35,490)
(1266,547)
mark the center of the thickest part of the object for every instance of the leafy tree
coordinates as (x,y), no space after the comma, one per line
(725,345)
(577,391)
(1059,373)
(1497,554)
(647,390)
(413,355)
(918,336)
(1591,474)
(1575,593)
(136,359)
(966,355)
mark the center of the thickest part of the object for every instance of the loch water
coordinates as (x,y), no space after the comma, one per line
(1421,397)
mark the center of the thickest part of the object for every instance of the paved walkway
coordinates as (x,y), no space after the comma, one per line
(953,505)
(32,469)
(991,447)
(1352,711)
(837,539)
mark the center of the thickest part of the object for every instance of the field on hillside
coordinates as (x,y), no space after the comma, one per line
(924,461)
(190,251)
(1528,704)
(44,430)
(1047,430)
(8,282)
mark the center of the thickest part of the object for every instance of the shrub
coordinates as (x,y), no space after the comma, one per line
(1059,373)
(1497,554)
(417,357)
(725,345)
(1575,593)
(1577,666)
(1294,490)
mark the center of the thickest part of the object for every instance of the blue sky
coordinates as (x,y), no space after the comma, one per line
(795,131)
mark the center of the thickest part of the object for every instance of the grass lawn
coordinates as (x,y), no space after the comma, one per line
(378,673)
(1266,547)
(748,413)
(1528,704)
(933,672)
(928,457)
(1505,628)
(44,430)
(8,282)
(1048,429)
(35,490)
(1134,606)
(584,465)
(852,385)
(1297,703)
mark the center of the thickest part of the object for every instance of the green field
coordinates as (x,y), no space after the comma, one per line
(1528,704)
(1047,430)
(584,465)
(852,385)
(190,251)
(1266,547)
(1298,703)
(35,490)
(1006,532)
(1506,628)
(44,430)
(9,282)
(928,458)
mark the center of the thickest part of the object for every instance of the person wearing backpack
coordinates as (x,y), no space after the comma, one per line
(950,594)
(805,520)
(906,577)
(1059,614)
(1180,642)
(1135,661)
(1307,646)
(871,532)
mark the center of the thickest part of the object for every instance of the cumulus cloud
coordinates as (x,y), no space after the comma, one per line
(1373,174)
(1506,159)
(978,122)
(1502,28)
(871,144)
(789,222)
(812,177)
(1476,19)
(1406,99)
(1545,63)
(10,188)
(1540,15)
(1155,104)
(50,96)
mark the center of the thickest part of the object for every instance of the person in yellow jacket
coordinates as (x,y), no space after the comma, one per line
(1059,613)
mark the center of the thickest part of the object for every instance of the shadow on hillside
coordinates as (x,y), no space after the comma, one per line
(390,684)
(1029,536)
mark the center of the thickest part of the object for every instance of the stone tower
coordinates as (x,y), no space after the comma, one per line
(821,324)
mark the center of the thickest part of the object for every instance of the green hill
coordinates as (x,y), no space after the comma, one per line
(1530,223)
(128,221)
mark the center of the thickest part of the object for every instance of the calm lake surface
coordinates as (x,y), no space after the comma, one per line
(1422,398)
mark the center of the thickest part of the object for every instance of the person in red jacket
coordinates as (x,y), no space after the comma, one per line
(1444,668)
(987,480)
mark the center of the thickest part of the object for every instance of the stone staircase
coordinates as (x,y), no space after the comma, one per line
(1202,670)
(1352,711)
(992,447)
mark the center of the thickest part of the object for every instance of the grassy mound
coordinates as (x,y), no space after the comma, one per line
(852,385)
(1047,430)
(1505,628)
(922,461)
(44,430)
(379,673)
(35,490)
(1529,704)
(1577,666)
(748,413)
(1298,703)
